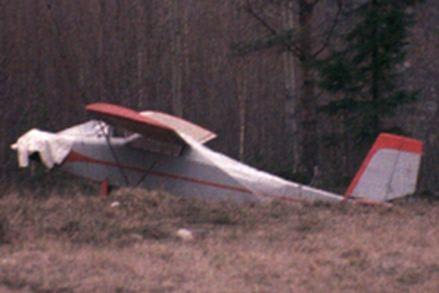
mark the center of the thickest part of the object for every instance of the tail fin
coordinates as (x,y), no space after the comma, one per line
(390,169)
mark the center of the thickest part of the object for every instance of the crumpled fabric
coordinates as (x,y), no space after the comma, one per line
(53,148)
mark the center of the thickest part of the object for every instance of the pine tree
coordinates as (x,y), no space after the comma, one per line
(364,73)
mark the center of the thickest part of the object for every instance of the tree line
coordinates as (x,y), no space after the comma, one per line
(295,87)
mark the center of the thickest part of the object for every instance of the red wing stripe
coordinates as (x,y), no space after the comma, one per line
(131,120)
(122,112)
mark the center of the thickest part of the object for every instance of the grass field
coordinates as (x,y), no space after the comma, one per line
(80,243)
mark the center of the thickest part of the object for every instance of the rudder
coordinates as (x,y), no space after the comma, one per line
(390,169)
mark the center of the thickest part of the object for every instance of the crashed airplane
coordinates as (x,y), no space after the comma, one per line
(161,151)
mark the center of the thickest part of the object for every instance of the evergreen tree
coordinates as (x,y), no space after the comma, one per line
(364,73)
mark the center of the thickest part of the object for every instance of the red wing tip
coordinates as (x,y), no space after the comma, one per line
(108,108)
(117,111)
(92,106)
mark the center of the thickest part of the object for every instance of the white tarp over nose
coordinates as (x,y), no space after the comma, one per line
(53,148)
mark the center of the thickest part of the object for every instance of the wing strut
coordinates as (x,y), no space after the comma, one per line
(113,154)
(146,173)
(116,159)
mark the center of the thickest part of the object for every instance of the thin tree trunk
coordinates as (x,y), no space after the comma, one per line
(177,105)
(100,49)
(375,93)
(308,129)
(290,119)
(140,47)
(184,42)
(242,110)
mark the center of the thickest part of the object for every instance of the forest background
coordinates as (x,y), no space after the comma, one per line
(223,64)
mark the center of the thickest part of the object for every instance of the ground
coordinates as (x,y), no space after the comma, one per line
(82,243)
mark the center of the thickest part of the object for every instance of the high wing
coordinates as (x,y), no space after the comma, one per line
(196,132)
(157,130)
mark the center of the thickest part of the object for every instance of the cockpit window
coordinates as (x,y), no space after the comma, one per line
(117,132)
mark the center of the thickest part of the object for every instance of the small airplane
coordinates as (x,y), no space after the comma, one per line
(155,150)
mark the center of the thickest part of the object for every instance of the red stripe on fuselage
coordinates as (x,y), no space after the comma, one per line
(75,157)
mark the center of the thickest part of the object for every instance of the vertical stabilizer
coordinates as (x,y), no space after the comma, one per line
(390,169)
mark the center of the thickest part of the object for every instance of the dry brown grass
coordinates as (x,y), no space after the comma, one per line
(80,243)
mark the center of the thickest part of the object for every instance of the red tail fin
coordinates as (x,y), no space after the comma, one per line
(390,169)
